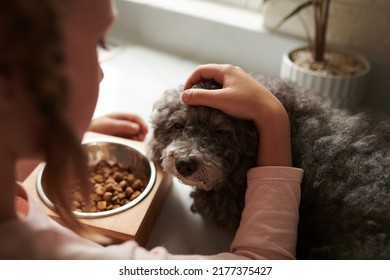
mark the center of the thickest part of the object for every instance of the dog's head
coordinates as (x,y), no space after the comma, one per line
(201,146)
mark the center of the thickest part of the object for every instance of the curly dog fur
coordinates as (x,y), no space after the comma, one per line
(207,149)
(345,202)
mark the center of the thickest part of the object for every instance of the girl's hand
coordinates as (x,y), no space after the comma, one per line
(244,97)
(123,125)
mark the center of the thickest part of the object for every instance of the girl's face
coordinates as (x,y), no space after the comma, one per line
(85,27)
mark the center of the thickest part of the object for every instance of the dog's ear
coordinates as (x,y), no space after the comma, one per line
(169,102)
(160,120)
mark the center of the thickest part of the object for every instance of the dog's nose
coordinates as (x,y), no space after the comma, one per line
(186,166)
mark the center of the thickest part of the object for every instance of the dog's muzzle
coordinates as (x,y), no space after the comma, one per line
(190,166)
(186,166)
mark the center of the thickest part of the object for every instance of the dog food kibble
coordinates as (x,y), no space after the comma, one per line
(113,187)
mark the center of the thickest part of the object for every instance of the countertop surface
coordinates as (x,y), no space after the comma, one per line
(134,77)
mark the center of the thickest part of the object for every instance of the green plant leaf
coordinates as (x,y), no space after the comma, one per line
(292,13)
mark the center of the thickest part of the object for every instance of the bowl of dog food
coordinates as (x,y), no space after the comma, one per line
(121,175)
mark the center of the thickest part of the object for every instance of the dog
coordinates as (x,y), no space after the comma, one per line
(345,192)
(207,149)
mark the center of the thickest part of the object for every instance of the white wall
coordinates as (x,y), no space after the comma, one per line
(206,40)
(359,25)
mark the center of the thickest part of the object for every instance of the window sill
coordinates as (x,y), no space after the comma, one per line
(210,11)
(204,32)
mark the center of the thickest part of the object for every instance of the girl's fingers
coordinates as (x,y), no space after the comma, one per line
(214,72)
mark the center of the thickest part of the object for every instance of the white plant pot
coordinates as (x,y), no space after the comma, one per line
(343,92)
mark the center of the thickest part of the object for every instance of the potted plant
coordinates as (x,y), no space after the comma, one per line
(340,75)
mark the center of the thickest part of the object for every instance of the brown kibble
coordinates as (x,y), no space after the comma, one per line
(110,187)
(118,176)
(130,178)
(135,195)
(95,197)
(110,180)
(99,189)
(123,184)
(106,170)
(107,196)
(129,191)
(113,188)
(101,205)
(98,178)
(117,188)
(137,184)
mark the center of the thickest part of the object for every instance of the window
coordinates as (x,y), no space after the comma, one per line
(244,14)
(247,4)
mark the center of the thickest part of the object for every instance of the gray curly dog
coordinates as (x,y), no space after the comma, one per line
(345,203)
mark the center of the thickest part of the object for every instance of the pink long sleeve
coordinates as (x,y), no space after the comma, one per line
(268,228)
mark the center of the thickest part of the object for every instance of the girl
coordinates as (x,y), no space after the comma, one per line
(49,78)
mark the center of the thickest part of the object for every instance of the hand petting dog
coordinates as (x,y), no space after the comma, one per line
(244,97)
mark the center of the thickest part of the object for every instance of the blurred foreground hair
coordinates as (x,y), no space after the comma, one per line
(31,48)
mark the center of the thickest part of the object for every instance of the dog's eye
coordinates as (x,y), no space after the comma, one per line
(178,126)
(222,131)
